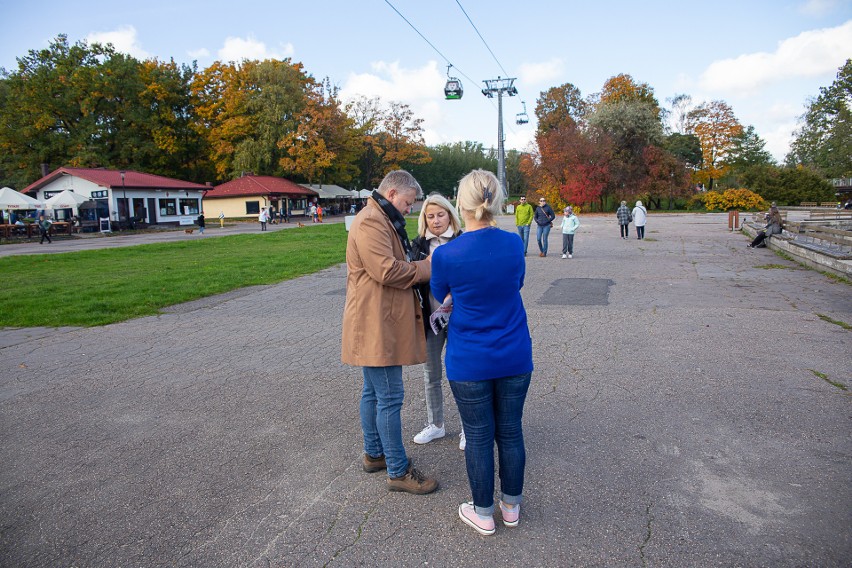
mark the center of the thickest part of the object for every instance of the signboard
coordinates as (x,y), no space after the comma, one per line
(187,219)
(104,225)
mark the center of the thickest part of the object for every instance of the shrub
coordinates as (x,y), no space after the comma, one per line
(732,199)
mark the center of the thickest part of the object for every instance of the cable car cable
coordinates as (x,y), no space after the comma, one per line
(444,57)
(482,38)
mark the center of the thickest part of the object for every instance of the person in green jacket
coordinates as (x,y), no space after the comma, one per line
(523,219)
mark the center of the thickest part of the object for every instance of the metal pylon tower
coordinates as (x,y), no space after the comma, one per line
(500,86)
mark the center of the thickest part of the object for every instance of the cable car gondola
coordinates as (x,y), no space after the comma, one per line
(453,90)
(521,117)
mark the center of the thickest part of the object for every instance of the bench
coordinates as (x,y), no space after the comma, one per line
(835,242)
(824,214)
(808,204)
(828,204)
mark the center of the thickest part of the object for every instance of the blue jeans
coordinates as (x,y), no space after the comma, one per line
(492,411)
(524,231)
(541,235)
(381,402)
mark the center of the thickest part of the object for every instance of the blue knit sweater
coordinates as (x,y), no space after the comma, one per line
(488,336)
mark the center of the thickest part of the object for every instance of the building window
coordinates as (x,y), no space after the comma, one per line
(252,207)
(168,207)
(189,206)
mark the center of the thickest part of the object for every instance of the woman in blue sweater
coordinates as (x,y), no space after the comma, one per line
(489,349)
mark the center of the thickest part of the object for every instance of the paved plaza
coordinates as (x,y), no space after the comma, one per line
(686,409)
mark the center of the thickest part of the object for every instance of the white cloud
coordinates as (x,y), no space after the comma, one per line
(544,72)
(123,39)
(809,54)
(421,89)
(200,53)
(237,49)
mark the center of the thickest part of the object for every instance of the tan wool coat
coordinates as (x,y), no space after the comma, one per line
(382,319)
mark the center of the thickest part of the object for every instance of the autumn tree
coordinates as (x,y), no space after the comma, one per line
(716,127)
(666,177)
(324,147)
(630,125)
(560,107)
(392,138)
(88,106)
(824,139)
(678,114)
(623,88)
(686,147)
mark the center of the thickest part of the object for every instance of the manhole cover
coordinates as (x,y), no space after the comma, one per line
(577,292)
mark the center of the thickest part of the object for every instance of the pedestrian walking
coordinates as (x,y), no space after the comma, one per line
(382,325)
(523,219)
(489,349)
(624,218)
(570,224)
(200,222)
(263,218)
(544,217)
(44,229)
(640,217)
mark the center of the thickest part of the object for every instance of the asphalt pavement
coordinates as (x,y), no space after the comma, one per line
(687,409)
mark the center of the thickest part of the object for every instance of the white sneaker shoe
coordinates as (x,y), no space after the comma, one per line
(429,433)
(570,256)
(462,441)
(563,256)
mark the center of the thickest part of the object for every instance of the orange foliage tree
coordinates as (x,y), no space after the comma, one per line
(717,128)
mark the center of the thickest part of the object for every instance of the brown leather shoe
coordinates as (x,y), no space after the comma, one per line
(541,254)
(412,482)
(372,465)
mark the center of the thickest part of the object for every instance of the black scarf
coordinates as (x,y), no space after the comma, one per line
(396,219)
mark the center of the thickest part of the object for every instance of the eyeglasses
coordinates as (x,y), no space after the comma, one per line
(541,200)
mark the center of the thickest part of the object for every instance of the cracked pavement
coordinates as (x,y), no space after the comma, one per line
(677,422)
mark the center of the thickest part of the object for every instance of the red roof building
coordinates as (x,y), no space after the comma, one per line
(247,195)
(125,195)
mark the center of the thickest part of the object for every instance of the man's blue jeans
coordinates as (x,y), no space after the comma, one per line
(541,235)
(524,231)
(492,411)
(381,402)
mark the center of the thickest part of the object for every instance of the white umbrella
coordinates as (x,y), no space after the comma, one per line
(12,200)
(65,200)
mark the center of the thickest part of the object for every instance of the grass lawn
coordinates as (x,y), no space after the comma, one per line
(89,288)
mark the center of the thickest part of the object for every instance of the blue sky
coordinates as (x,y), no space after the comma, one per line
(766,58)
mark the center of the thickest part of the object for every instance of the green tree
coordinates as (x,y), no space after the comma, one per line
(59,107)
(449,163)
(786,186)
(686,147)
(824,140)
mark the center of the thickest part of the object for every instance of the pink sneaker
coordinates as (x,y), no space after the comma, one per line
(482,525)
(510,516)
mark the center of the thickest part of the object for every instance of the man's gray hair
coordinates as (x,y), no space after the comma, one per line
(400,180)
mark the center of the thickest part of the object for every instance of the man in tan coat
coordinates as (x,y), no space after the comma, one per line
(383,324)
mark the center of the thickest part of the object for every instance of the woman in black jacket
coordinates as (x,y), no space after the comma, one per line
(438,224)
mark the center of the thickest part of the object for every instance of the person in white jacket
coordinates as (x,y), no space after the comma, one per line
(640,217)
(570,223)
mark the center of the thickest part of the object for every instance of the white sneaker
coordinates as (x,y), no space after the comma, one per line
(462,441)
(429,433)
(569,256)
(563,256)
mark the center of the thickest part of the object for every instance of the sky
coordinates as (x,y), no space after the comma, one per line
(765,58)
